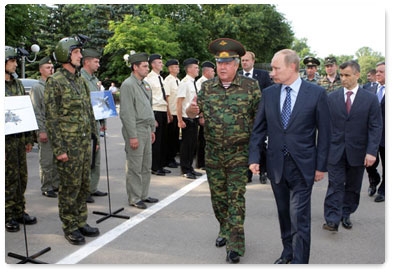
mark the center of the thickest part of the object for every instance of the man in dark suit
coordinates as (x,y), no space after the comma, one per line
(290,114)
(356,132)
(371,84)
(264,80)
(374,176)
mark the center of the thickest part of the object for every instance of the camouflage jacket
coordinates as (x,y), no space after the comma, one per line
(68,109)
(229,113)
(330,86)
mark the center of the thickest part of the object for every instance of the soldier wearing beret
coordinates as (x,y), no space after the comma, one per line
(228,104)
(171,84)
(331,81)
(160,107)
(138,131)
(71,126)
(90,65)
(48,174)
(311,65)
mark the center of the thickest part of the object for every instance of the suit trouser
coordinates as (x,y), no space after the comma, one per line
(74,183)
(201,144)
(138,165)
(293,199)
(48,172)
(173,137)
(344,188)
(374,176)
(159,147)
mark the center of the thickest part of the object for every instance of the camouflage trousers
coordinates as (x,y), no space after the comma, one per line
(15,176)
(227,181)
(48,173)
(74,183)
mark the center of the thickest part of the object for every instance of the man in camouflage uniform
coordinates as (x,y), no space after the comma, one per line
(228,104)
(91,63)
(331,81)
(48,174)
(71,126)
(16,147)
(311,65)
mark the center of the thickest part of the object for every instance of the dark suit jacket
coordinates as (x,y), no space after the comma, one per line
(370,86)
(262,76)
(310,113)
(382,142)
(357,133)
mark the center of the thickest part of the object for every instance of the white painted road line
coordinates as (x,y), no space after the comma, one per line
(111,235)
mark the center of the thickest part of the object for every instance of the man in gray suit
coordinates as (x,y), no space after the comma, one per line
(291,113)
(356,133)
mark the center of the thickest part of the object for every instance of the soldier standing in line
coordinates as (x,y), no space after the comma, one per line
(311,75)
(16,147)
(138,131)
(90,65)
(331,81)
(228,104)
(48,174)
(71,126)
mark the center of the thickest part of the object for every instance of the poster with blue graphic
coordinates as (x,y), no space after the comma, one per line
(103,104)
(19,115)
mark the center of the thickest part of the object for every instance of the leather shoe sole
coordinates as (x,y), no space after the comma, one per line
(28,220)
(150,200)
(189,175)
(330,227)
(99,193)
(220,242)
(232,257)
(158,172)
(12,226)
(75,238)
(379,198)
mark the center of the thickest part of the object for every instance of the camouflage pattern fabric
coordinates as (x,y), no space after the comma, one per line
(15,162)
(330,86)
(70,125)
(229,115)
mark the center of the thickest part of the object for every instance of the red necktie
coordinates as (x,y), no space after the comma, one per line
(348,101)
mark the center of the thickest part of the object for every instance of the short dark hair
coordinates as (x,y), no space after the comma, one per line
(380,63)
(353,64)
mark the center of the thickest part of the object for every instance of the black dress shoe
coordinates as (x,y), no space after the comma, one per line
(12,226)
(379,198)
(140,205)
(50,194)
(89,231)
(172,165)
(150,200)
(195,173)
(346,222)
(232,257)
(90,199)
(29,220)
(165,171)
(75,238)
(282,261)
(158,172)
(99,193)
(371,190)
(330,226)
(220,242)
(189,175)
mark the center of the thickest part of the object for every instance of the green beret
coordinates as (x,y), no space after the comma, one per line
(311,61)
(226,50)
(45,60)
(91,52)
(138,57)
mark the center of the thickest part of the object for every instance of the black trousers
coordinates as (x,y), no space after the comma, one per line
(188,145)
(201,144)
(173,140)
(374,176)
(159,147)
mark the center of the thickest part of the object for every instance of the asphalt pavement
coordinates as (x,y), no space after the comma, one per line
(181,229)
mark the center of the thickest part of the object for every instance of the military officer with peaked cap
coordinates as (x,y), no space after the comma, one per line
(138,131)
(228,104)
(311,64)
